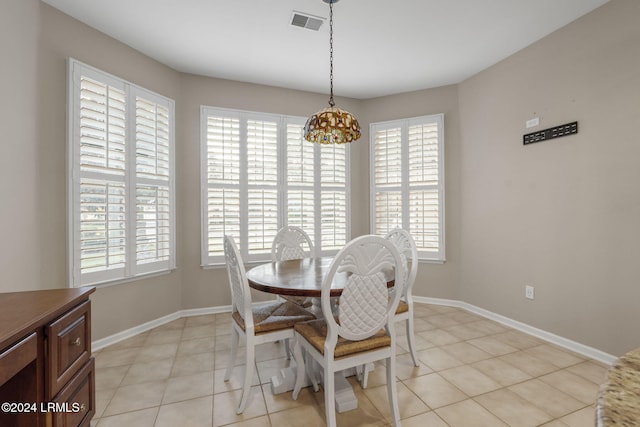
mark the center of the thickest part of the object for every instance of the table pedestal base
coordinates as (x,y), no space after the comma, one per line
(344,395)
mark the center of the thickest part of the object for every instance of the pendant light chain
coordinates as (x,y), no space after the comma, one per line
(331,101)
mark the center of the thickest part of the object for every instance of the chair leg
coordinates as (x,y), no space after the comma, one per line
(392,392)
(330,398)
(364,375)
(235,338)
(248,375)
(300,368)
(311,369)
(287,349)
(411,341)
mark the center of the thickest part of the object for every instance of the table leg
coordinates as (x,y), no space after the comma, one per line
(285,380)
(345,397)
(316,307)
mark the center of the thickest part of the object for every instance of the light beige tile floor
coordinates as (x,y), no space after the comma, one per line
(474,372)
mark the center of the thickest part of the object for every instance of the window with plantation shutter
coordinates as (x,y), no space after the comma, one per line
(259,174)
(407,181)
(121,210)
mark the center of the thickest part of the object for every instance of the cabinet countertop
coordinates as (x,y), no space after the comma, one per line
(20,310)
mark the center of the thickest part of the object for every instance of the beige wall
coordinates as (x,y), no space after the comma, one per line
(560,215)
(36,41)
(20,224)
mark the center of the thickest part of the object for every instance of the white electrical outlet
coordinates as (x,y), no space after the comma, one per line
(529,292)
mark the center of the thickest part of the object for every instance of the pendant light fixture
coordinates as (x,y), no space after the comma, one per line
(331,125)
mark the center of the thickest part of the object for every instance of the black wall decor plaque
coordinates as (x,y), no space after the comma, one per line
(554,132)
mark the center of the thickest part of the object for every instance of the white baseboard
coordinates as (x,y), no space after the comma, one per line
(121,336)
(576,347)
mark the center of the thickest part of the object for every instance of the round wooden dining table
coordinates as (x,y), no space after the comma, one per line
(296,277)
(299,277)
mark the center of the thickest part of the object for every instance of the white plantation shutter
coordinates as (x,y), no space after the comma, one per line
(153,230)
(262,185)
(102,231)
(301,211)
(387,175)
(407,188)
(424,219)
(222,166)
(223,217)
(153,182)
(102,117)
(423,154)
(334,225)
(388,157)
(120,179)
(259,174)
(334,184)
(333,165)
(223,150)
(300,180)
(262,223)
(424,189)
(388,211)
(152,140)
(300,158)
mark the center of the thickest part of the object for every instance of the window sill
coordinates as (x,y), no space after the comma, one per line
(128,279)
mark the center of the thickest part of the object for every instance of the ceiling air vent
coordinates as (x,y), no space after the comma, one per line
(304,20)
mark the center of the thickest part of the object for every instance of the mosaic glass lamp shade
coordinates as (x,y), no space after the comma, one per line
(332,125)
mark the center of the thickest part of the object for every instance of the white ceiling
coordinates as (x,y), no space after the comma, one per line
(380,47)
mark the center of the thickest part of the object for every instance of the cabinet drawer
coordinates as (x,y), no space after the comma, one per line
(75,405)
(68,345)
(19,382)
(17,357)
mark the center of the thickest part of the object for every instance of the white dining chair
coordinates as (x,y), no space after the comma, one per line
(362,330)
(258,325)
(292,242)
(404,313)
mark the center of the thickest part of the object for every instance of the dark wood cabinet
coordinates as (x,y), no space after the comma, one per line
(47,374)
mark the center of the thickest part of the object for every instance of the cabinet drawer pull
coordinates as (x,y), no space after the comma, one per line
(76,342)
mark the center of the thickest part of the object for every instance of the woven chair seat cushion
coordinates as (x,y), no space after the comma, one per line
(275,316)
(403,307)
(315,331)
(301,301)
